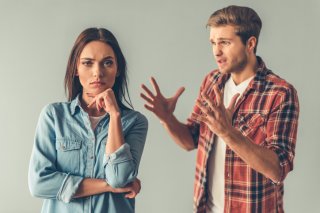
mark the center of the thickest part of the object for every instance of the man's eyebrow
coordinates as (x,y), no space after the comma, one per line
(222,38)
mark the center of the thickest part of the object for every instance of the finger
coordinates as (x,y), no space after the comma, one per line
(207,88)
(206,101)
(179,92)
(204,109)
(190,120)
(233,102)
(91,103)
(151,95)
(150,108)
(106,101)
(155,85)
(149,100)
(219,98)
(129,195)
(198,118)
(98,104)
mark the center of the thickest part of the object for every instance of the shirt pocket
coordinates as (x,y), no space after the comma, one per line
(252,125)
(68,155)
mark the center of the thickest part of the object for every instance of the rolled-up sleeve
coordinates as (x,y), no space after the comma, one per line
(282,128)
(121,167)
(45,181)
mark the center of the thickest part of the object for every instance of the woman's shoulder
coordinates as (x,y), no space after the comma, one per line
(56,107)
(130,115)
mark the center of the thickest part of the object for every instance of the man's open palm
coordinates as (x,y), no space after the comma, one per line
(161,106)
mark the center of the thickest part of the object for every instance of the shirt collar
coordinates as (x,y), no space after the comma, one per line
(75,104)
(259,80)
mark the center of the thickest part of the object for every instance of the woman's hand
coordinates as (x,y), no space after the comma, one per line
(105,100)
(131,190)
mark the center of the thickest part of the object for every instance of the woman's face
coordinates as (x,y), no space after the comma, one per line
(96,68)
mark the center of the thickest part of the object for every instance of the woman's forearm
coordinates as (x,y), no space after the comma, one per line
(115,135)
(91,186)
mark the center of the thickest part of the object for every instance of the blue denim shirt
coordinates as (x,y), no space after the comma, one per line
(66,150)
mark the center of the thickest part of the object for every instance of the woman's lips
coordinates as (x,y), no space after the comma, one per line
(96,84)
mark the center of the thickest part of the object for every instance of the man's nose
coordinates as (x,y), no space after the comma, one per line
(217,50)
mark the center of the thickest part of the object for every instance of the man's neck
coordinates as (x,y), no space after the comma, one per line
(248,71)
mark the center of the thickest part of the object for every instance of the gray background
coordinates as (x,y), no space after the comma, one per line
(165,39)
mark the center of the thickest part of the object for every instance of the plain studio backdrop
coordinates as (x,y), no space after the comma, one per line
(167,40)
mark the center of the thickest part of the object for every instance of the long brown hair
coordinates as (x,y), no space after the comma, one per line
(71,81)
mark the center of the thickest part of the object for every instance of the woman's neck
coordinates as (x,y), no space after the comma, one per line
(85,100)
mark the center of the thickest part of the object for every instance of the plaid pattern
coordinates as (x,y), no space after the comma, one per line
(267,113)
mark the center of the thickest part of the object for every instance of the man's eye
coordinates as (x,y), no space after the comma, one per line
(224,43)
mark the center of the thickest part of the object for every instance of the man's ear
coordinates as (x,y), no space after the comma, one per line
(251,43)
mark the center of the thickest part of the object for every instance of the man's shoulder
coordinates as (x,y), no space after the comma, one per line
(274,81)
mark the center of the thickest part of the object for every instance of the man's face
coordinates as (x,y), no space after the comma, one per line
(229,51)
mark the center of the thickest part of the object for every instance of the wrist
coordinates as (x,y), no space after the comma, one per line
(167,120)
(115,114)
(229,135)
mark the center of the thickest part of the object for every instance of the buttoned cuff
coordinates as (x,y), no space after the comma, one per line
(69,187)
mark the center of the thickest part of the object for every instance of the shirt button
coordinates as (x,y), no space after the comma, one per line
(91,157)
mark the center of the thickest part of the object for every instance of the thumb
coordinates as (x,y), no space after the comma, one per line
(179,92)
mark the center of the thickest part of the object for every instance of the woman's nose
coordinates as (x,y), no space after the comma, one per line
(97,71)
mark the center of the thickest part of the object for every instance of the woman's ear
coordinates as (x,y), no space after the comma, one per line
(76,74)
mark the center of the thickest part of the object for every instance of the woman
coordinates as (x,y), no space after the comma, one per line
(87,151)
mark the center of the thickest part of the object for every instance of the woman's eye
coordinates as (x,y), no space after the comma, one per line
(86,63)
(107,63)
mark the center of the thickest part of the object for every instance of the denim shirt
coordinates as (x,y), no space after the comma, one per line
(66,150)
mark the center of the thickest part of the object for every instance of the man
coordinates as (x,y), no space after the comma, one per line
(244,123)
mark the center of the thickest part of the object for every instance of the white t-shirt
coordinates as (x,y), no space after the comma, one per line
(94,121)
(216,161)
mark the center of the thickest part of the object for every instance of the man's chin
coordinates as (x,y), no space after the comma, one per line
(224,70)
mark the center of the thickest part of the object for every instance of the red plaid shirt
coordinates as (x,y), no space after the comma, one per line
(267,113)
